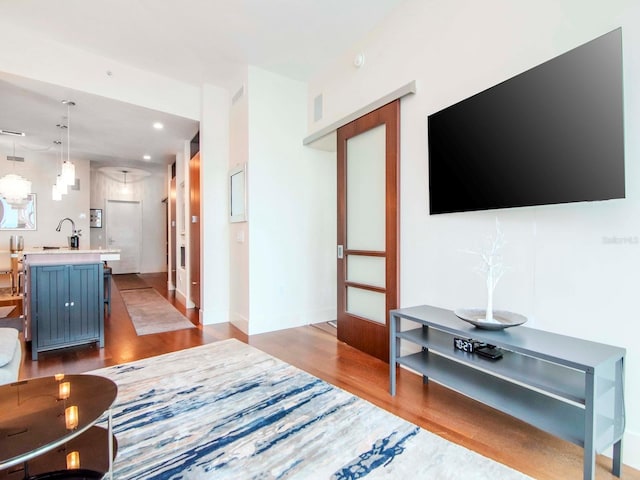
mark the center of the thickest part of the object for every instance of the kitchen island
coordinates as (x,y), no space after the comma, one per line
(64,297)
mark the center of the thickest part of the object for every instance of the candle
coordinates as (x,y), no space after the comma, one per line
(64,390)
(73,460)
(71,417)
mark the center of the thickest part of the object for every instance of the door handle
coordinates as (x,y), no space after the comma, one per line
(340,251)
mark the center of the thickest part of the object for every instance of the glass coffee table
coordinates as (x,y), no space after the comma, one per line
(48,428)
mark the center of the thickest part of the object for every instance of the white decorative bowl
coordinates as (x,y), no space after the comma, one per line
(476,316)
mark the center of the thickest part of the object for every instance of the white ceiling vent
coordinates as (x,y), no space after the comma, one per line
(11,133)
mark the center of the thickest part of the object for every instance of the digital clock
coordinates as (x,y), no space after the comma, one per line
(465,344)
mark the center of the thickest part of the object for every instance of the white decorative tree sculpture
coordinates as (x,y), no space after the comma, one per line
(493,268)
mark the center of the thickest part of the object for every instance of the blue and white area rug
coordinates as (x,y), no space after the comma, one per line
(229,411)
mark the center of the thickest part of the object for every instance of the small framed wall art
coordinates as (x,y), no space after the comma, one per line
(95,217)
(18,216)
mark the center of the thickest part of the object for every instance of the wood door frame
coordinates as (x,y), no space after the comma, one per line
(367,337)
(194,231)
(173,237)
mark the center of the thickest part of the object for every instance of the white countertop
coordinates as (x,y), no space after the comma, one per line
(57,256)
(67,250)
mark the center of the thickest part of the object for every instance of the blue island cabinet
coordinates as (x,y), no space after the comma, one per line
(66,306)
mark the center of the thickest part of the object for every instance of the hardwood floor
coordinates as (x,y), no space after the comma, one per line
(318,352)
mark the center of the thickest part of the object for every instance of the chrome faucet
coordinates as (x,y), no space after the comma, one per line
(74,239)
(73,225)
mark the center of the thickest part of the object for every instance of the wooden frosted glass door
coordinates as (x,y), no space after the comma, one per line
(368,155)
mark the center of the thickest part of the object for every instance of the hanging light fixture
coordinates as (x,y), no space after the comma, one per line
(125,188)
(68,168)
(14,188)
(55,193)
(61,185)
(57,189)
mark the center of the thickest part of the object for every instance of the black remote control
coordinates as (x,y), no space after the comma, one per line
(489,351)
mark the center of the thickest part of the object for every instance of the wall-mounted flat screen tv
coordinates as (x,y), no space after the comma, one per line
(553,134)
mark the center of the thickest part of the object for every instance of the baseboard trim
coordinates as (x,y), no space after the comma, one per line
(213,316)
(319,316)
(239,322)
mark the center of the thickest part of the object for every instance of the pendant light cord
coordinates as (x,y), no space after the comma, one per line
(68,131)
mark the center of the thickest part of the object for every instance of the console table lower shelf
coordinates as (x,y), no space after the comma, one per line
(48,428)
(569,387)
(91,452)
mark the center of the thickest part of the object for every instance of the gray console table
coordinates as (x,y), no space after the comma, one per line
(569,387)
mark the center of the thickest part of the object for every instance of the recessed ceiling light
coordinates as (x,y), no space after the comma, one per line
(146,157)
(158,126)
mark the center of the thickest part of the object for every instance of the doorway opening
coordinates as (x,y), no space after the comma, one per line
(124,232)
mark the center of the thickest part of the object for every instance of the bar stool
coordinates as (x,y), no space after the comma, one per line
(107,287)
(6,269)
(17,275)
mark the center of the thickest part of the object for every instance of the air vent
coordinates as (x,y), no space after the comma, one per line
(13,158)
(11,133)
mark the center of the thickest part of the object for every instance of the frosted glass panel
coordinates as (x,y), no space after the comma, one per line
(366,270)
(366,190)
(367,304)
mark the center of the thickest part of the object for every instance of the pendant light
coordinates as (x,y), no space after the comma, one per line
(125,188)
(55,193)
(56,189)
(61,185)
(68,168)
(14,188)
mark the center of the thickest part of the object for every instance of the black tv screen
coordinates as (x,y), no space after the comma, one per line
(553,134)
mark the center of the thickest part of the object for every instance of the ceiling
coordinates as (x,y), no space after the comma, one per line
(103,131)
(194,41)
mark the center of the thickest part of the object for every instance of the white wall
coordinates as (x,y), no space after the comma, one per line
(214,239)
(564,277)
(282,265)
(149,191)
(41,169)
(239,232)
(183,217)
